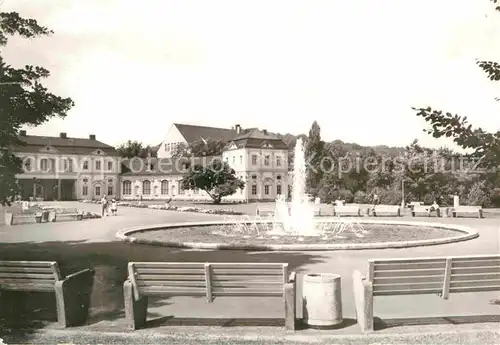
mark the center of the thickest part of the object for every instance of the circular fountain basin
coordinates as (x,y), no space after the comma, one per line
(375,234)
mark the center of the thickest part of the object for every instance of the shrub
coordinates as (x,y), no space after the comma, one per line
(360,197)
(389,196)
(477,195)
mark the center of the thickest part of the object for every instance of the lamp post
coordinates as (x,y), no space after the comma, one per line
(402,193)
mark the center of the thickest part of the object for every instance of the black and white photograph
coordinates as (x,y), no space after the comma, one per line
(250,172)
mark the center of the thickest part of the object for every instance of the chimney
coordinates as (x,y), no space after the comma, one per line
(22,133)
(264,131)
(92,136)
(62,135)
(238,128)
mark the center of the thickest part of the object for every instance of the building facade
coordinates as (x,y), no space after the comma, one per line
(64,168)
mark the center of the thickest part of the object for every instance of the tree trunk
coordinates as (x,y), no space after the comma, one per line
(217,199)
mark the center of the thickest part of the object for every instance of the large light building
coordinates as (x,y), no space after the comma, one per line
(63,168)
(184,134)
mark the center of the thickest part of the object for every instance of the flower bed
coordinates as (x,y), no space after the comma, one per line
(168,207)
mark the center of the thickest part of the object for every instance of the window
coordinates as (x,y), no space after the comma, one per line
(241,159)
(127,187)
(44,165)
(166,147)
(254,177)
(234,160)
(266,189)
(110,166)
(27,165)
(254,189)
(70,165)
(254,159)
(85,165)
(164,187)
(226,159)
(181,188)
(146,187)
(278,189)
(67,165)
(85,180)
(278,177)
(266,160)
(278,161)
(97,165)
(110,190)
(52,165)
(85,190)
(98,190)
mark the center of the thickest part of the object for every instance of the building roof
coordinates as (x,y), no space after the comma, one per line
(163,166)
(67,145)
(193,133)
(256,138)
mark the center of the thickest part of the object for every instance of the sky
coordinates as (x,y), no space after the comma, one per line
(357,67)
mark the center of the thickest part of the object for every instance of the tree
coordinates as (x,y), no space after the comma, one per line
(24,101)
(132,149)
(486,146)
(200,148)
(218,179)
(314,152)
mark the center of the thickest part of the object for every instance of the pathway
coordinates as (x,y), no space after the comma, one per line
(92,243)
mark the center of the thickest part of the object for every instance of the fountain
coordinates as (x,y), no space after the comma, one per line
(295,218)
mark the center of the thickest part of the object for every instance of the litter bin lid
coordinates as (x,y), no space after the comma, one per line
(320,277)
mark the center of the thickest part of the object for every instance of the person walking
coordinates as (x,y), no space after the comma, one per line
(114,207)
(104,206)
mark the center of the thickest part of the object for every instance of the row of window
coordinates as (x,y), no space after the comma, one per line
(146,188)
(255,158)
(267,189)
(49,165)
(171,146)
(97,190)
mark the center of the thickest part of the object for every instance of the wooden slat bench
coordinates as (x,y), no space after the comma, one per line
(386,210)
(424,211)
(72,293)
(466,210)
(419,276)
(206,279)
(65,214)
(14,218)
(347,210)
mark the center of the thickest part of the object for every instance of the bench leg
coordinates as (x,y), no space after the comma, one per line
(363,300)
(289,297)
(73,298)
(135,311)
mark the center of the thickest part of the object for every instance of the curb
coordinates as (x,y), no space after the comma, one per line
(207,335)
(467,234)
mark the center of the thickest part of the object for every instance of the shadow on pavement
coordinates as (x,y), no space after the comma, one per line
(109,260)
(380,324)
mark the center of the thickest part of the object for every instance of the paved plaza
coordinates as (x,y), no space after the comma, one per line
(92,243)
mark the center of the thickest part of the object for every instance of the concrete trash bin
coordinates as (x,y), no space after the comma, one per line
(322,299)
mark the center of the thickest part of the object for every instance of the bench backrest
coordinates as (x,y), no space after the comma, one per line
(467,208)
(207,279)
(386,208)
(28,275)
(421,208)
(441,275)
(347,208)
(66,210)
